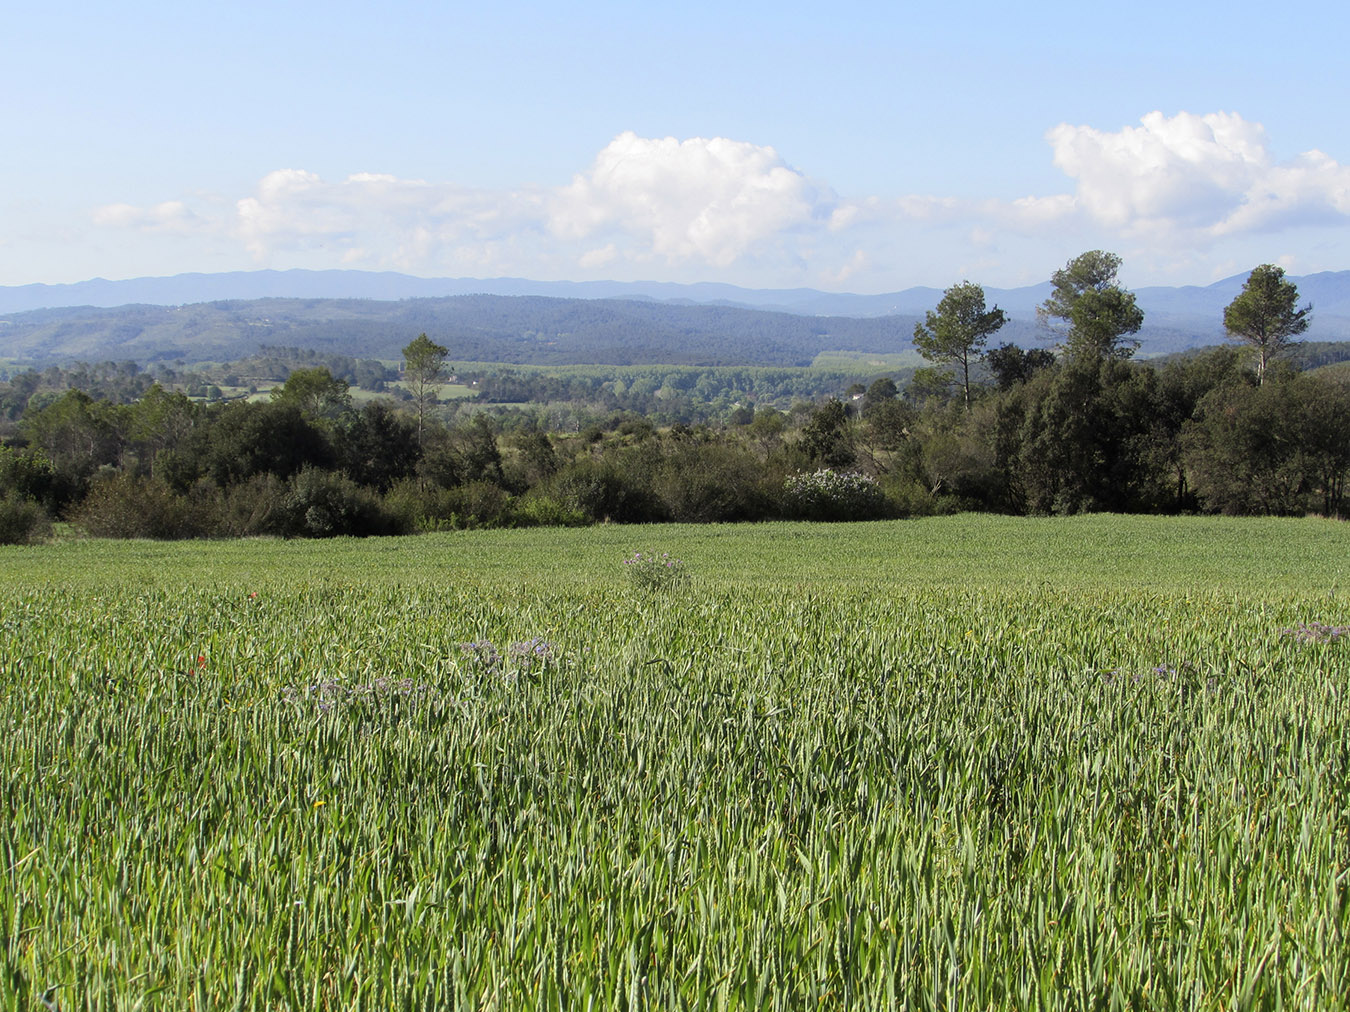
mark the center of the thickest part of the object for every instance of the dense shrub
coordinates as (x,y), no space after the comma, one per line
(834,495)
(258,506)
(710,483)
(27,474)
(419,506)
(540,509)
(127,506)
(324,504)
(606,490)
(22,520)
(910,497)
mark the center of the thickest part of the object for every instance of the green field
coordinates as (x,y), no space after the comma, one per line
(969,762)
(862,360)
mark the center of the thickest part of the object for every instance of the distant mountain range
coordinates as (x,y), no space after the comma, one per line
(199,317)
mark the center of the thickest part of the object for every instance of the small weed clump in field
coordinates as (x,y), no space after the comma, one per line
(333,693)
(653,573)
(522,657)
(1316,632)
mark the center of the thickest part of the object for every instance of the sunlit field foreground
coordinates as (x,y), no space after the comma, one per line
(969,763)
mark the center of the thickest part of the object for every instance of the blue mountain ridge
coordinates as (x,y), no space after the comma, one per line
(1328,291)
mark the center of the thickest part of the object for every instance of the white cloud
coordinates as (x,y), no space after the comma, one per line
(599,257)
(398,220)
(171,216)
(1210,175)
(713,202)
(859,261)
(1177,193)
(707,199)
(1034,213)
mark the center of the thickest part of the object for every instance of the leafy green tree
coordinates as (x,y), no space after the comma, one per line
(1325,440)
(425,371)
(1280,448)
(1099,313)
(248,439)
(480,458)
(930,383)
(826,440)
(27,473)
(316,392)
(78,435)
(1011,365)
(959,330)
(533,460)
(1242,451)
(1084,440)
(375,446)
(466,453)
(1183,382)
(881,392)
(767,429)
(1263,315)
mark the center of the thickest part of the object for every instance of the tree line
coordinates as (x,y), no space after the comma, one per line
(1235,430)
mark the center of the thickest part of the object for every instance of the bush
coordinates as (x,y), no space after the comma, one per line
(652,573)
(480,504)
(539,509)
(605,490)
(910,497)
(22,521)
(834,495)
(431,508)
(710,483)
(325,504)
(126,506)
(257,507)
(419,507)
(26,474)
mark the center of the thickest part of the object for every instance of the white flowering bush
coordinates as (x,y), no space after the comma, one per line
(834,495)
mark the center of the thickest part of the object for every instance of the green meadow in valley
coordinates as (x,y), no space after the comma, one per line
(970,762)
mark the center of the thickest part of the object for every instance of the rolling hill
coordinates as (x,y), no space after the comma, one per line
(197,317)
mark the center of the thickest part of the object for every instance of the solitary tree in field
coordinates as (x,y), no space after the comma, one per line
(959,330)
(1264,316)
(424,371)
(1099,313)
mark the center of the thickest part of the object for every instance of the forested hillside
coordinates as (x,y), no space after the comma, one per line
(480,328)
(486,328)
(523,322)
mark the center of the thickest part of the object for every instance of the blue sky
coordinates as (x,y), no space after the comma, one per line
(848,146)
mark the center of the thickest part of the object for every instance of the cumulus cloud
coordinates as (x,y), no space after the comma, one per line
(1169,186)
(711,199)
(1213,174)
(701,201)
(405,220)
(1185,181)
